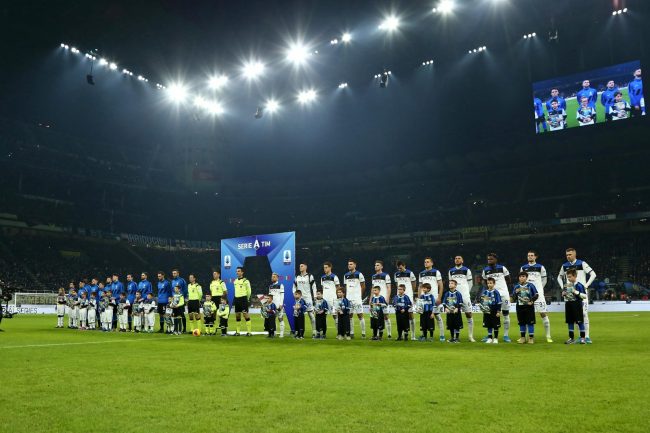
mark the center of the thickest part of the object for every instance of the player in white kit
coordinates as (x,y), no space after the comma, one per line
(586,276)
(355,286)
(462,275)
(433,277)
(276,289)
(329,283)
(381,279)
(537,276)
(406,277)
(501,283)
(305,282)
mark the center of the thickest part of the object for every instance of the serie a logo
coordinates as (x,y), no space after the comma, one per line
(286,257)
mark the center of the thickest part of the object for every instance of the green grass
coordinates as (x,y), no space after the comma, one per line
(72,381)
(572,109)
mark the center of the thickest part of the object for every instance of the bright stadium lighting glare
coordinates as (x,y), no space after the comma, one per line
(390,24)
(103,61)
(217,81)
(307,96)
(253,69)
(272,106)
(343,85)
(298,54)
(334,41)
(178,93)
(347,37)
(625,10)
(112,66)
(213,108)
(445,7)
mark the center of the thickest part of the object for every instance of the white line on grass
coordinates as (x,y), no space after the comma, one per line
(85,342)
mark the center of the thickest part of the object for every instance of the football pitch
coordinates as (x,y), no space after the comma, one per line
(61,380)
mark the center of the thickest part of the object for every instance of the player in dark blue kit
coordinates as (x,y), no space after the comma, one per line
(635,90)
(524,295)
(540,119)
(131,289)
(177,280)
(144,286)
(607,97)
(574,295)
(555,96)
(164,292)
(588,92)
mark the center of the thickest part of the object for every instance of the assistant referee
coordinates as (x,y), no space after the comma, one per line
(241,301)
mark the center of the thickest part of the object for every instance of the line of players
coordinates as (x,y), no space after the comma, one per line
(328,297)
(615,107)
(136,307)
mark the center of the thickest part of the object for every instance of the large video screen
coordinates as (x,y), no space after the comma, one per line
(608,94)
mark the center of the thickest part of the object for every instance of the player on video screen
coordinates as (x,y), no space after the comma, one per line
(539,115)
(556,117)
(555,96)
(590,93)
(607,98)
(635,89)
(586,115)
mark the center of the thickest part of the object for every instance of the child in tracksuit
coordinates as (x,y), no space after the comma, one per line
(136,312)
(299,309)
(123,312)
(83,310)
(209,314)
(524,296)
(452,300)
(149,308)
(92,311)
(377,320)
(223,312)
(403,305)
(321,309)
(574,294)
(490,304)
(269,311)
(343,315)
(61,302)
(428,302)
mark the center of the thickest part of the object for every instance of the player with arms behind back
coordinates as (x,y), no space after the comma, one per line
(305,282)
(355,286)
(330,284)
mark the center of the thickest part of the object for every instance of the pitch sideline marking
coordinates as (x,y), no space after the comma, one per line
(84,342)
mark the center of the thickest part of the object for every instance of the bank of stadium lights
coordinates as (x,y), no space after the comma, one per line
(271,106)
(383,73)
(619,11)
(103,62)
(211,107)
(390,24)
(141,78)
(530,35)
(127,72)
(178,93)
(298,54)
(346,37)
(427,63)
(90,56)
(253,69)
(343,85)
(218,81)
(65,46)
(112,66)
(477,50)
(444,7)
(307,96)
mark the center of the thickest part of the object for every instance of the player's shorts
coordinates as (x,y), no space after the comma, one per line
(585,306)
(193,306)
(209,320)
(280,313)
(179,311)
(505,303)
(241,304)
(573,312)
(387,310)
(330,302)
(60,310)
(540,306)
(310,306)
(525,315)
(161,309)
(356,307)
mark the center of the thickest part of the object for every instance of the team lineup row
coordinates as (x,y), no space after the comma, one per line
(137,304)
